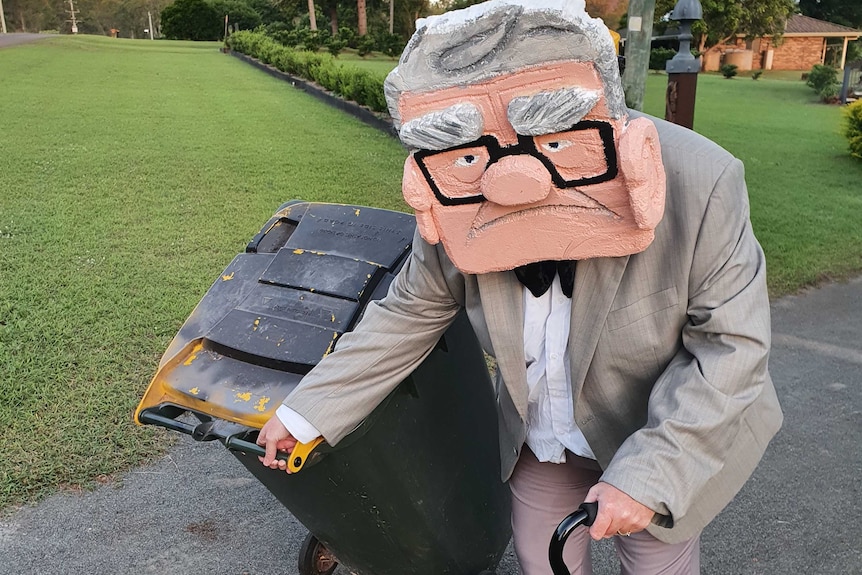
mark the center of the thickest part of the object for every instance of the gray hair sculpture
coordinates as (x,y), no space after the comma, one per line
(498,37)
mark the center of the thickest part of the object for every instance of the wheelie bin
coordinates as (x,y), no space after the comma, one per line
(415,488)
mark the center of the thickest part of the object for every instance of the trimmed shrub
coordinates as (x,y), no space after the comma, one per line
(824,80)
(365,45)
(361,86)
(853,128)
(728,70)
(756,74)
(335,46)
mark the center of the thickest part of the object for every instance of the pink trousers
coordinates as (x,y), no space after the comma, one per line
(544,493)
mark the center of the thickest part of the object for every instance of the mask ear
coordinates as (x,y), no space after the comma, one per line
(419,196)
(640,163)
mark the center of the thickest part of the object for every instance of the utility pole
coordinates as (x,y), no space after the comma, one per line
(2,19)
(150,16)
(637,51)
(74,17)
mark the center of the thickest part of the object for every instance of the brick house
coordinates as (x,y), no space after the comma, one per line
(805,43)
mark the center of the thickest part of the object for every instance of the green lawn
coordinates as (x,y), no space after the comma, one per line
(806,190)
(131,173)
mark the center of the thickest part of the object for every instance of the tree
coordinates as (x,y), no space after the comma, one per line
(312,19)
(362,18)
(239,13)
(844,12)
(191,20)
(610,11)
(724,19)
(33,15)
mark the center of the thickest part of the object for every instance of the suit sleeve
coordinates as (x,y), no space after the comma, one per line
(393,337)
(696,406)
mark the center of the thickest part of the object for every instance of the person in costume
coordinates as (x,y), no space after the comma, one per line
(605,259)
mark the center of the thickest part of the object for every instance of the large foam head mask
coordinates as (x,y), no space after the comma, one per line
(522,150)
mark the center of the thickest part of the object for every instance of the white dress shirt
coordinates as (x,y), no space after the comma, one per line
(551,425)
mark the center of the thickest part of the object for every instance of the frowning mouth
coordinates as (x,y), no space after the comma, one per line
(560,210)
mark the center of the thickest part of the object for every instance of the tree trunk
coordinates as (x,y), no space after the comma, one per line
(333,19)
(361,17)
(312,19)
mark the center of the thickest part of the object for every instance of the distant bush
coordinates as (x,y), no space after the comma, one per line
(658,58)
(824,80)
(335,46)
(756,74)
(365,45)
(351,83)
(853,128)
(729,70)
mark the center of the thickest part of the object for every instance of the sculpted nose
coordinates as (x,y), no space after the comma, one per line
(516,180)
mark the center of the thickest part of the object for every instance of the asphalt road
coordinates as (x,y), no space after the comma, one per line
(13,39)
(198,511)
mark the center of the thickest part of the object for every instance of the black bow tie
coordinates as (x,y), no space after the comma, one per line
(538,276)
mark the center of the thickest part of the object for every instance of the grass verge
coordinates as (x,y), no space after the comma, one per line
(132,173)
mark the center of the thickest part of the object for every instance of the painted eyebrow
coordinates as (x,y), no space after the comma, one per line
(452,126)
(552,111)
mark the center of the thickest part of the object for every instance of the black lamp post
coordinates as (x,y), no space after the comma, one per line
(682,69)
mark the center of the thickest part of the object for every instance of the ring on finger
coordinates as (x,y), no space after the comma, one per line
(623,533)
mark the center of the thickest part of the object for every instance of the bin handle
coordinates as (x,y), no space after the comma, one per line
(585,515)
(295,460)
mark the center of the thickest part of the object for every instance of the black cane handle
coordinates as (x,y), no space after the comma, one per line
(585,515)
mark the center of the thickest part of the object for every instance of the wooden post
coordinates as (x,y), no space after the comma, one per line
(680,98)
(844,54)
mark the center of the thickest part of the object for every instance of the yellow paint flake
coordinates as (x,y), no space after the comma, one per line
(195,390)
(244,396)
(357,213)
(256,324)
(298,251)
(261,405)
(193,354)
(329,349)
(332,317)
(227,277)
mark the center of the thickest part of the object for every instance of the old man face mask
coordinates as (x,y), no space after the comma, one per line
(522,150)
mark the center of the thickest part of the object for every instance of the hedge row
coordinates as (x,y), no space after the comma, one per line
(853,128)
(361,86)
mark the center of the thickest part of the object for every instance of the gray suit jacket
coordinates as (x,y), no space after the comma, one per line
(668,347)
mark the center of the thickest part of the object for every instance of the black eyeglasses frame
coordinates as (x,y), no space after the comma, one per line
(525,145)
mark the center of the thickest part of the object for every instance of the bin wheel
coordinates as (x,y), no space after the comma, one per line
(315,558)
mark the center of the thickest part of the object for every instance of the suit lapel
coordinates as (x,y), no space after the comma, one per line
(503,307)
(596,284)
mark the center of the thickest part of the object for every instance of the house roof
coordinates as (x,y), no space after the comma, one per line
(799,25)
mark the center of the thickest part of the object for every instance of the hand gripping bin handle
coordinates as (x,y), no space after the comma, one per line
(585,515)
